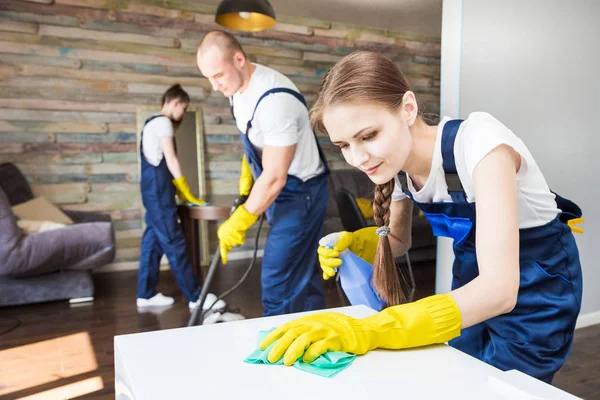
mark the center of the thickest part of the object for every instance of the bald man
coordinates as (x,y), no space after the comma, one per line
(284,173)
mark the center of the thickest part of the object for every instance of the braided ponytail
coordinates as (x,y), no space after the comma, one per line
(386,279)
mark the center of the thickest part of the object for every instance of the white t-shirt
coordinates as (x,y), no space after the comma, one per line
(479,134)
(153,131)
(281,120)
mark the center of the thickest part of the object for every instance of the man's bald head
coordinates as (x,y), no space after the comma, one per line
(222,61)
(225,42)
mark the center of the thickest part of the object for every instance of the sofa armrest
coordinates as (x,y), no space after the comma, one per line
(80,217)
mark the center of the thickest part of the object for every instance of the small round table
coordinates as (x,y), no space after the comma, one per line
(218,209)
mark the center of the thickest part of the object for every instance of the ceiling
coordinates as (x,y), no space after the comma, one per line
(421,17)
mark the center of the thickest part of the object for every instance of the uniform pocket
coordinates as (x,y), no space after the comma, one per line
(546,310)
(457,228)
(552,274)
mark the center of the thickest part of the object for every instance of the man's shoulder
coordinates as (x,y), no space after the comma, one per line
(271,78)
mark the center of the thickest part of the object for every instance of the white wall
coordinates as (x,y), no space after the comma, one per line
(535,65)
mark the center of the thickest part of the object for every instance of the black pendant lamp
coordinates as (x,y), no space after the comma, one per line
(246,15)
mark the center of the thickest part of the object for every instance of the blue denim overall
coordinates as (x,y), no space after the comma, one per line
(163,234)
(290,277)
(536,337)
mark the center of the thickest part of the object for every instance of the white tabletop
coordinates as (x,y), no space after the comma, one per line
(207,362)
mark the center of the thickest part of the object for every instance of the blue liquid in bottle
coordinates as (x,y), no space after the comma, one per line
(355,278)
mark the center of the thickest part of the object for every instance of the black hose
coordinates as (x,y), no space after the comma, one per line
(198,314)
(246,273)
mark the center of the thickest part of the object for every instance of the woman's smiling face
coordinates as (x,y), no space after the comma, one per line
(372,138)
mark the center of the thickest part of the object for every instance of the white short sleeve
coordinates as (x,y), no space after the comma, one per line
(281,120)
(397,194)
(478,136)
(482,134)
(280,124)
(161,126)
(153,131)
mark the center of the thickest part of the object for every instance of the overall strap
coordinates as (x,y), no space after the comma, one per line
(300,99)
(455,187)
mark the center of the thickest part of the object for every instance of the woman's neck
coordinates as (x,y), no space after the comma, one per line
(165,112)
(418,164)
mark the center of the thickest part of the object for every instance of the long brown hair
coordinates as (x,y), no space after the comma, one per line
(369,77)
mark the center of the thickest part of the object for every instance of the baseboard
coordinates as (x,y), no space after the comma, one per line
(588,319)
(126,266)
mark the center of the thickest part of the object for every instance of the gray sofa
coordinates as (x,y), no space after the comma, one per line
(51,265)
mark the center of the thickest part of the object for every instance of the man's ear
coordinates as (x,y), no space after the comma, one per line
(239,59)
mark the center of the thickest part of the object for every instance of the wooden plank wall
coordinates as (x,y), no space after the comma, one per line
(73,71)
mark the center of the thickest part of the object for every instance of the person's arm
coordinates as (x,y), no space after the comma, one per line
(494,291)
(438,318)
(401,226)
(168,148)
(276,163)
(181,185)
(279,119)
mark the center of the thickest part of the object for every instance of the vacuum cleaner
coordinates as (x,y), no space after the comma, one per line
(355,278)
(207,315)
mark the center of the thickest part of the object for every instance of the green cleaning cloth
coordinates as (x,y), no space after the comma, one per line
(327,365)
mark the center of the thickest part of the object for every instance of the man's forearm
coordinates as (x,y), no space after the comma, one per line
(263,193)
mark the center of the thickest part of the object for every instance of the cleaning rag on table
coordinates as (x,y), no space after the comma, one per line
(327,365)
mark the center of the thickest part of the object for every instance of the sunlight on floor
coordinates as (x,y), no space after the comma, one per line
(69,391)
(39,363)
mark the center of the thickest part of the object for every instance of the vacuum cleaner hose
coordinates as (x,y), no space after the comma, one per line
(198,314)
(246,273)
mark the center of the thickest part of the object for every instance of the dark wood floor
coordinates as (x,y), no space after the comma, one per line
(64,351)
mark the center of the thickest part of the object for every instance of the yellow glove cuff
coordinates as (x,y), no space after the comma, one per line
(573,222)
(434,319)
(246,178)
(180,182)
(243,219)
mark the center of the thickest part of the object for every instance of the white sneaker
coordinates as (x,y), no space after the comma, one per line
(216,317)
(210,298)
(158,300)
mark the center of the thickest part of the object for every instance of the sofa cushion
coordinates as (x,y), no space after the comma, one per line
(40,209)
(79,246)
(28,226)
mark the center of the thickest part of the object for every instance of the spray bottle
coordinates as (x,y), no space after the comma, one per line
(355,277)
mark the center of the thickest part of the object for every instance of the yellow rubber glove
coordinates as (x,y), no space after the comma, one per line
(232,232)
(434,319)
(246,179)
(573,222)
(363,243)
(366,207)
(184,192)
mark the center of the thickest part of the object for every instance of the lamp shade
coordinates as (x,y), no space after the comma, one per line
(245,15)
